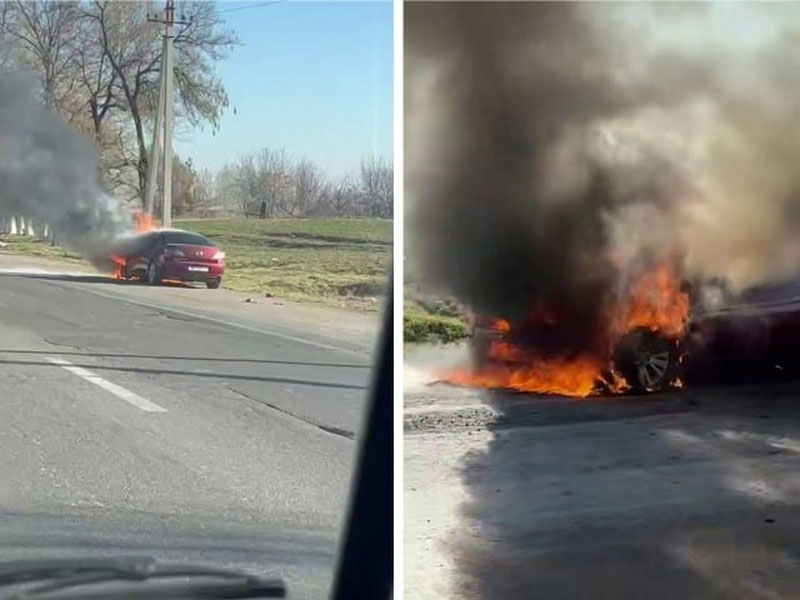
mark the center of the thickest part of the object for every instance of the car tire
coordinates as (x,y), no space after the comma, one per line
(153,275)
(647,360)
(213,284)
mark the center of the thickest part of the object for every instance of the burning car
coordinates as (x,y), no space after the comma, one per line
(168,254)
(649,352)
(506,357)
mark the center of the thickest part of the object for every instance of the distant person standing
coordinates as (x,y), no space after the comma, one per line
(263,214)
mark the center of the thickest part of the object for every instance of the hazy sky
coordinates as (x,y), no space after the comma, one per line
(737,26)
(314,78)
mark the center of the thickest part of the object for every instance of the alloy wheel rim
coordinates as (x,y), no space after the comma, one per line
(652,366)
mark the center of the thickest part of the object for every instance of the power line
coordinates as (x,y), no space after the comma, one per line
(259,5)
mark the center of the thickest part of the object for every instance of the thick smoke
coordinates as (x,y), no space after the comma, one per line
(552,147)
(49,173)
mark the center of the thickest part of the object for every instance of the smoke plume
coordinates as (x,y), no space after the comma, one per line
(551,148)
(49,173)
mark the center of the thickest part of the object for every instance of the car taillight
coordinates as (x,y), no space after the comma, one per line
(219,255)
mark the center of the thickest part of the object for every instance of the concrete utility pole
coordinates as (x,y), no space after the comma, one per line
(166,205)
(163,129)
(155,148)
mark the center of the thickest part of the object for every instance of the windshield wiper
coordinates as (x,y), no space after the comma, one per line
(58,578)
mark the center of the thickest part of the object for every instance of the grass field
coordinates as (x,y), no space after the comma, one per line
(30,246)
(340,261)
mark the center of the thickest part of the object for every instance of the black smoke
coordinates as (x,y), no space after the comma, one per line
(553,148)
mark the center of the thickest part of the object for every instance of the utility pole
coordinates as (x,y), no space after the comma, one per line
(155,148)
(163,126)
(166,205)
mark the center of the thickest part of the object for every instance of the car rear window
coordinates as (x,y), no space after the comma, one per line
(180,237)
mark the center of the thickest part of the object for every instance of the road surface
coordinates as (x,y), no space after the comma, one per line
(683,495)
(146,421)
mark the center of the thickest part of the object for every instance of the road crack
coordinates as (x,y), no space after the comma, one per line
(322,426)
(61,344)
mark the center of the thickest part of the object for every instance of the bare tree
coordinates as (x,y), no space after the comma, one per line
(344,196)
(119,156)
(247,186)
(184,186)
(271,178)
(133,48)
(337,198)
(7,54)
(307,186)
(45,32)
(228,188)
(377,186)
(206,195)
(275,180)
(96,76)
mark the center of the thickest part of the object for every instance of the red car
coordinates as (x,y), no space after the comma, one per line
(169,254)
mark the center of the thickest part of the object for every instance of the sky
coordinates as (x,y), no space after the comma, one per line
(313,78)
(737,26)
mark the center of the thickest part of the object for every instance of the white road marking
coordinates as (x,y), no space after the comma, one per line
(118,391)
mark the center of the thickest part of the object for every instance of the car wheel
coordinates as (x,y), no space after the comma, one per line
(647,360)
(153,276)
(213,284)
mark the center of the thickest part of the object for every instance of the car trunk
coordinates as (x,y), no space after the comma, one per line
(194,253)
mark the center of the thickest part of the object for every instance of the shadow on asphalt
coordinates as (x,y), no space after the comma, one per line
(224,376)
(188,358)
(107,279)
(692,494)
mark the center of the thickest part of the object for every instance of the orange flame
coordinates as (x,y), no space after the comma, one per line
(119,265)
(146,222)
(568,377)
(654,301)
(501,325)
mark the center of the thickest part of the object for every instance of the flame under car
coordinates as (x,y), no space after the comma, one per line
(169,254)
(752,331)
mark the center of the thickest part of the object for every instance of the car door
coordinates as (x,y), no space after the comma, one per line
(145,249)
(153,245)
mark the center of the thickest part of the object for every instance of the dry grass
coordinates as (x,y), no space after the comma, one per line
(341,261)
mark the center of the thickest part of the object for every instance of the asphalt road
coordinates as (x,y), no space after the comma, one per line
(131,426)
(693,494)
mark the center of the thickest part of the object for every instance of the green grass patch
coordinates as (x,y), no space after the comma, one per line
(328,260)
(431,319)
(30,246)
(352,230)
(423,329)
